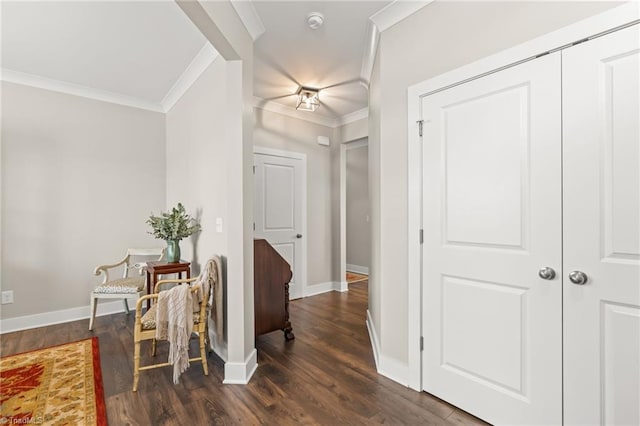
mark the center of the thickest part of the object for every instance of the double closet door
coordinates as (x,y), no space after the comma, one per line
(531,259)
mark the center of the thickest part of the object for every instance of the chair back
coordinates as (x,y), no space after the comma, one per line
(148,327)
(158,253)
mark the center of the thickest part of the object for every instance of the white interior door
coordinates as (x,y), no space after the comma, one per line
(491,217)
(602,230)
(278,211)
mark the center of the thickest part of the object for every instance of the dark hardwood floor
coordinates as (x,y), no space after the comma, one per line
(325,376)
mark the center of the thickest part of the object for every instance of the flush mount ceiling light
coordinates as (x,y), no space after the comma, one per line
(308,99)
(315,20)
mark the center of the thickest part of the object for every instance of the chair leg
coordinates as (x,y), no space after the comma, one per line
(203,353)
(136,366)
(153,347)
(94,306)
(207,339)
(126,305)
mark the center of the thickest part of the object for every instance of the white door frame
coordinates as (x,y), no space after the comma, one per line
(303,157)
(347,146)
(624,15)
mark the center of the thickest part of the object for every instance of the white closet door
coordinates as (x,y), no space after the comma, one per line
(492,215)
(602,230)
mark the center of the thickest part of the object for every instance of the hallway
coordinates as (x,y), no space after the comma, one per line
(325,376)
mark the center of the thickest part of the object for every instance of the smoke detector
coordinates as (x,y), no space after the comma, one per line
(315,20)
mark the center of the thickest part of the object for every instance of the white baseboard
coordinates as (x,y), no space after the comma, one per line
(341,286)
(386,366)
(315,289)
(375,346)
(358,269)
(219,349)
(65,315)
(239,373)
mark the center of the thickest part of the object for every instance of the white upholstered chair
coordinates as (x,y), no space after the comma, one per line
(129,285)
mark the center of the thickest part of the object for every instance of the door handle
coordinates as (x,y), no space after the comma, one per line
(298,235)
(547,273)
(578,277)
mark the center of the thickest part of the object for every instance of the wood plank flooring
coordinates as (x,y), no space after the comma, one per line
(325,376)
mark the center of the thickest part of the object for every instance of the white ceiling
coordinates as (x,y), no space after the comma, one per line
(147,53)
(135,49)
(289,54)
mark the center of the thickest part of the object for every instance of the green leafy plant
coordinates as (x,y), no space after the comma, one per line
(173,225)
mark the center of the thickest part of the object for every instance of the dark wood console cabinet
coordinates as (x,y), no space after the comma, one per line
(272,275)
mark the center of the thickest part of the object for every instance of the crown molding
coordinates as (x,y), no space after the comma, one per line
(278,108)
(395,12)
(382,20)
(249,17)
(200,63)
(369,53)
(354,116)
(202,60)
(25,79)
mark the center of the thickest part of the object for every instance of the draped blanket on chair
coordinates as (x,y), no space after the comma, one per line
(175,315)
(174,322)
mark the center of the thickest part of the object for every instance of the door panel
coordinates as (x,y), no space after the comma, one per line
(492,208)
(278,198)
(469,321)
(602,229)
(495,195)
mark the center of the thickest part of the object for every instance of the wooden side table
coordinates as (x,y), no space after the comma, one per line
(155,268)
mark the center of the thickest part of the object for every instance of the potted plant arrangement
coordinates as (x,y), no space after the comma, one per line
(172,226)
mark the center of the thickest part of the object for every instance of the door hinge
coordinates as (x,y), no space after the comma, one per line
(421,343)
(420,123)
(254,170)
(421,236)
(254,226)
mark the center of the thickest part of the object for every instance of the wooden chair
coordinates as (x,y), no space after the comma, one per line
(125,287)
(145,327)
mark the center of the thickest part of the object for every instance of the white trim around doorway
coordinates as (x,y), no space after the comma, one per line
(623,15)
(358,143)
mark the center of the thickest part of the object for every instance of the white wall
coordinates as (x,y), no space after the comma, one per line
(220,24)
(197,164)
(79,179)
(358,241)
(440,37)
(286,133)
(355,130)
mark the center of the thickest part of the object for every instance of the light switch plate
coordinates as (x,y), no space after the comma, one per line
(7,297)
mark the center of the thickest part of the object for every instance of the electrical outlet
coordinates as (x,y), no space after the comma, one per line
(7,297)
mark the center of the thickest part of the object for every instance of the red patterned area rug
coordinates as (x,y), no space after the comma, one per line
(60,385)
(352,277)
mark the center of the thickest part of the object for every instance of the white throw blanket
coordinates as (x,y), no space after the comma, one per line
(203,285)
(174,322)
(174,317)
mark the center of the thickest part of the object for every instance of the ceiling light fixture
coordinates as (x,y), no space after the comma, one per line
(315,20)
(308,99)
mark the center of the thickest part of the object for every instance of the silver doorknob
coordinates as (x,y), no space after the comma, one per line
(547,273)
(299,236)
(578,277)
